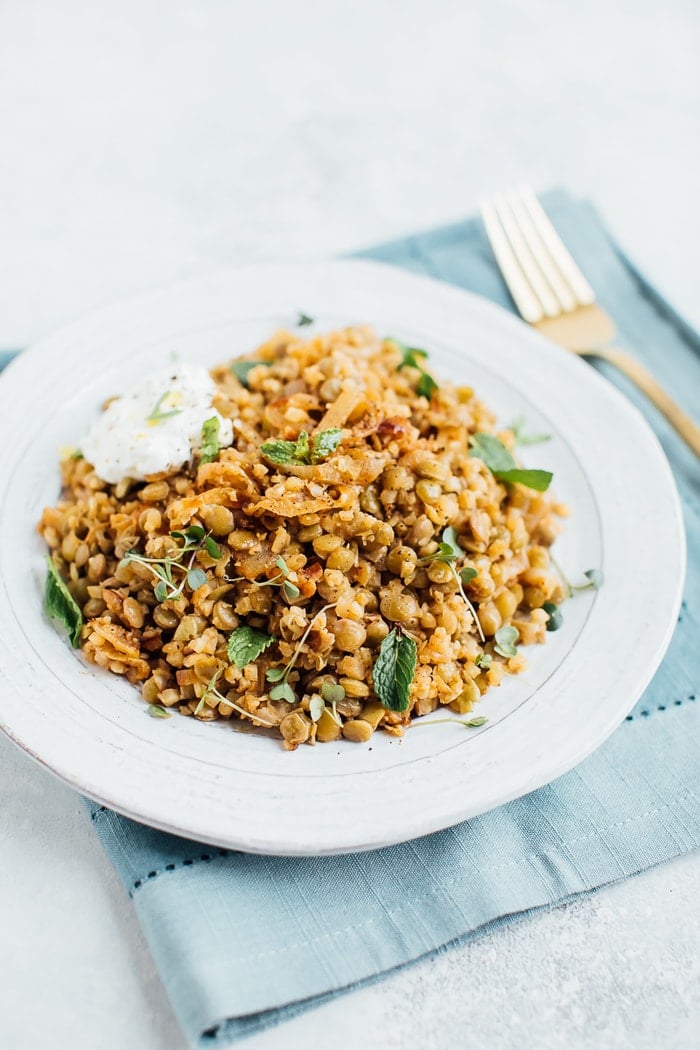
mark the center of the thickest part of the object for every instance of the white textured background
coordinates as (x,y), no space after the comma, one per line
(141,143)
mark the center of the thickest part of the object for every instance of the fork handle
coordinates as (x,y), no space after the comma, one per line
(641,377)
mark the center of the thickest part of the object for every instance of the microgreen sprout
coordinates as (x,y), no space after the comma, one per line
(279,676)
(168,588)
(517,427)
(158,711)
(484,661)
(470,723)
(157,415)
(290,590)
(212,690)
(594,579)
(331,694)
(303,320)
(448,552)
(555,617)
(413,357)
(505,638)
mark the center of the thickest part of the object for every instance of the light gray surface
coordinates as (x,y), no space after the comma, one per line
(144,143)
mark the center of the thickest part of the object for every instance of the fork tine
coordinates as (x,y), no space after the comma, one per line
(525,299)
(534,241)
(525,257)
(555,246)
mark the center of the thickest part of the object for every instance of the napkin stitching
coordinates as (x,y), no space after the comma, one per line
(206,857)
(564,844)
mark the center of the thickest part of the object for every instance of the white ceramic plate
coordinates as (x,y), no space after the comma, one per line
(241,790)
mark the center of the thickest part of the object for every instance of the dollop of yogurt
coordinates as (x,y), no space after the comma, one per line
(156,426)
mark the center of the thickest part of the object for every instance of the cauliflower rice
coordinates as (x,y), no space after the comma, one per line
(325,558)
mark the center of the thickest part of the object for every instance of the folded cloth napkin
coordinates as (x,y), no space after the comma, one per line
(243,942)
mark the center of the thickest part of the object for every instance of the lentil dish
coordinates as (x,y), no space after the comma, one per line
(351,561)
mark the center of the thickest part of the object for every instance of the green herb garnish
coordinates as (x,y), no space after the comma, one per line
(394,669)
(61,605)
(241,369)
(484,661)
(290,590)
(157,711)
(521,438)
(156,415)
(167,588)
(303,320)
(502,465)
(331,694)
(505,638)
(595,580)
(470,723)
(303,450)
(413,357)
(282,690)
(245,644)
(449,551)
(555,617)
(212,690)
(210,440)
(594,577)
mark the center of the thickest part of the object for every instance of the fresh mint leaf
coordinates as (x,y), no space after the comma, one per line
(394,669)
(210,440)
(241,369)
(492,451)
(539,480)
(245,644)
(324,443)
(279,451)
(426,386)
(500,461)
(61,605)
(303,450)
(505,638)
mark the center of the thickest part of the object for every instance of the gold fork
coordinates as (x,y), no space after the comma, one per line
(552,294)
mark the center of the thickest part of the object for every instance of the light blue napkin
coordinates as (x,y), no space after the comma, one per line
(244,942)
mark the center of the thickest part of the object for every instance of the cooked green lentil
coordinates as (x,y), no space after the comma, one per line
(354,532)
